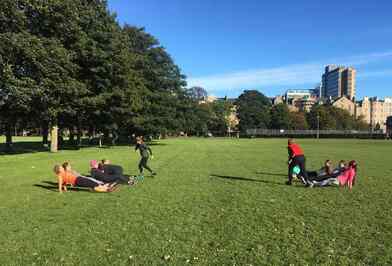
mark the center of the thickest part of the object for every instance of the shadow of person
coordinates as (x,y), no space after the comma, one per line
(273,174)
(247,179)
(53,186)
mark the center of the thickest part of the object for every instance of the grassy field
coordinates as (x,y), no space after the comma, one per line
(213,202)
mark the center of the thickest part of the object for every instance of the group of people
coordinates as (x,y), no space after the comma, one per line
(104,176)
(344,174)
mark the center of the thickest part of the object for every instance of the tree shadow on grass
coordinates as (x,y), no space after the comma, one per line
(247,179)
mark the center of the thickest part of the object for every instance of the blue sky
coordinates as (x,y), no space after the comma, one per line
(227,46)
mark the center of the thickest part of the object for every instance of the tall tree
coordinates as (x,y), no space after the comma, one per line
(298,121)
(280,118)
(253,110)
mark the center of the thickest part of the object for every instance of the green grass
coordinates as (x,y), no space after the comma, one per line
(213,202)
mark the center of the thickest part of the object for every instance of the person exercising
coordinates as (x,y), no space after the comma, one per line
(296,157)
(145,153)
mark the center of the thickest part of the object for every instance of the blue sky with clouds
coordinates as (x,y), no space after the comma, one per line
(227,46)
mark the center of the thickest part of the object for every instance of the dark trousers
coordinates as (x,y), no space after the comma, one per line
(114,173)
(300,161)
(143,164)
(82,181)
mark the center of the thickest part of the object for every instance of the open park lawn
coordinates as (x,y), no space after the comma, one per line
(213,202)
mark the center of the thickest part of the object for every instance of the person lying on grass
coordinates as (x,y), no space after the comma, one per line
(108,173)
(67,177)
(343,175)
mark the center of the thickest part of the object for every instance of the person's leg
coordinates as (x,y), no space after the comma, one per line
(87,182)
(146,166)
(112,169)
(141,164)
(290,174)
(301,163)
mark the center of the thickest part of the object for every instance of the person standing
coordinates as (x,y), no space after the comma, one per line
(296,157)
(145,153)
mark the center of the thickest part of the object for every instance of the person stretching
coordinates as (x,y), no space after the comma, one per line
(67,177)
(145,153)
(296,157)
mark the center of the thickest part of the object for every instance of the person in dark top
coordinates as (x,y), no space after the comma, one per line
(145,153)
(108,173)
(115,172)
(296,157)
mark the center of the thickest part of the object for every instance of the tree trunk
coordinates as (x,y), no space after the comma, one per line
(45,134)
(71,140)
(54,139)
(79,136)
(8,138)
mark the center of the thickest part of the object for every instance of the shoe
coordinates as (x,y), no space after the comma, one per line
(288,183)
(303,180)
(153,174)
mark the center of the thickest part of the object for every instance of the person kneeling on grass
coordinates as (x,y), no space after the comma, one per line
(296,158)
(67,177)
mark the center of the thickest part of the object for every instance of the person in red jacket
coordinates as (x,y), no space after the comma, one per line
(296,157)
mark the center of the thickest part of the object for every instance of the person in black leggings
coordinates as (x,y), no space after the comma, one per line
(145,153)
(108,173)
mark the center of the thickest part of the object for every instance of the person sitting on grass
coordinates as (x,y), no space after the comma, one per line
(343,175)
(65,176)
(348,176)
(325,172)
(145,153)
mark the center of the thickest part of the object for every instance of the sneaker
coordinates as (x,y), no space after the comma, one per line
(303,180)
(288,183)
(131,182)
(153,174)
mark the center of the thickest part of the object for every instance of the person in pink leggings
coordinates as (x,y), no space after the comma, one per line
(348,176)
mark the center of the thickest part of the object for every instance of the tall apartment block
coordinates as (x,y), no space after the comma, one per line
(338,81)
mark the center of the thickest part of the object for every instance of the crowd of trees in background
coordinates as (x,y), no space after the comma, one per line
(69,65)
(255,111)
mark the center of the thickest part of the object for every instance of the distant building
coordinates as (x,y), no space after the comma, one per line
(389,126)
(277,100)
(345,103)
(296,94)
(375,111)
(317,91)
(300,100)
(338,81)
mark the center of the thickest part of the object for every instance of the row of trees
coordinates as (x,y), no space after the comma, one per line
(70,65)
(256,111)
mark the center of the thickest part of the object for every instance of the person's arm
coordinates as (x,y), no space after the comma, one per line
(289,151)
(150,151)
(60,183)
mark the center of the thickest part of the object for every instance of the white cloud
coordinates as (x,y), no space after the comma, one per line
(291,75)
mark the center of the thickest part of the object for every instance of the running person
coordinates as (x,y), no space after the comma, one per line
(145,153)
(296,157)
